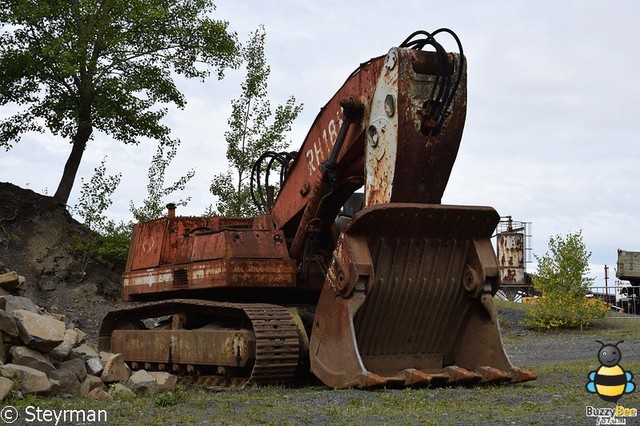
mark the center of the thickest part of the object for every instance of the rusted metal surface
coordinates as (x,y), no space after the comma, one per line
(212,274)
(232,348)
(412,295)
(511,257)
(512,250)
(403,162)
(405,290)
(184,253)
(424,159)
(155,242)
(237,244)
(278,343)
(305,172)
(233,345)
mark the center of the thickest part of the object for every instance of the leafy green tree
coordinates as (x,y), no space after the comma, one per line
(95,198)
(563,280)
(93,202)
(84,65)
(116,237)
(252,131)
(565,268)
(153,206)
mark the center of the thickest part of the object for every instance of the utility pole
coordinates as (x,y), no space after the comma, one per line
(606,283)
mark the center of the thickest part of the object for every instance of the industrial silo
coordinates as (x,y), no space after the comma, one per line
(513,251)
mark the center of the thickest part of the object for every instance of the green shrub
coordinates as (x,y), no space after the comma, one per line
(562,279)
(564,312)
(114,244)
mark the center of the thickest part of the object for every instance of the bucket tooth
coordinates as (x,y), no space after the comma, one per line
(491,375)
(452,375)
(458,375)
(520,375)
(367,381)
(413,377)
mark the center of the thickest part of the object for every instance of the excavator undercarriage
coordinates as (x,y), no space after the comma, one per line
(219,344)
(385,287)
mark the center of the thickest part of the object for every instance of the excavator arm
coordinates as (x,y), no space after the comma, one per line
(394,127)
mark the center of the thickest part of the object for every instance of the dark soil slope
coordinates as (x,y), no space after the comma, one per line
(42,242)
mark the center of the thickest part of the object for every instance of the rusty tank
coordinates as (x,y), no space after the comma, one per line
(355,273)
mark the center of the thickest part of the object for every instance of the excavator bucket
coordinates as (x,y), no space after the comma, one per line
(408,301)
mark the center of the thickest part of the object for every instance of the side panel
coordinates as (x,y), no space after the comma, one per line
(147,244)
(212,274)
(628,265)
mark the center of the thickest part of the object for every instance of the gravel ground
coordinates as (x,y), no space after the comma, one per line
(558,397)
(526,347)
(561,359)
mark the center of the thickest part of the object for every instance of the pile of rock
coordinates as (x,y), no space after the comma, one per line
(43,354)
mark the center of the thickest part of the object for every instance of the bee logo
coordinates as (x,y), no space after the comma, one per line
(610,381)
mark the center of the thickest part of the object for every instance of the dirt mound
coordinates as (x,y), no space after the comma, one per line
(42,242)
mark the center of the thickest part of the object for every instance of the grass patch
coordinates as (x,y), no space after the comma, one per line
(558,396)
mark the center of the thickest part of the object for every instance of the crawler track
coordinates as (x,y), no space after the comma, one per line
(274,345)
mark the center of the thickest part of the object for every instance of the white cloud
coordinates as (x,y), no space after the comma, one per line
(552,128)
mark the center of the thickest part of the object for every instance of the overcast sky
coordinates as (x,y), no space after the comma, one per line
(552,123)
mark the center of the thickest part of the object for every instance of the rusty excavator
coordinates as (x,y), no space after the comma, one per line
(366,289)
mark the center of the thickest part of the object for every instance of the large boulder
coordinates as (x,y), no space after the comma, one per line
(81,335)
(11,303)
(40,332)
(84,351)
(5,387)
(90,383)
(94,365)
(142,382)
(11,281)
(98,393)
(8,323)
(77,366)
(67,381)
(63,350)
(164,380)
(28,380)
(22,355)
(115,370)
